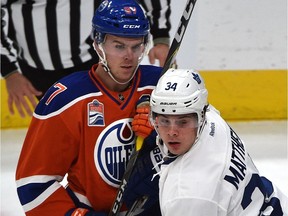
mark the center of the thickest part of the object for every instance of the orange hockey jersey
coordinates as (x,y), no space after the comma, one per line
(83,129)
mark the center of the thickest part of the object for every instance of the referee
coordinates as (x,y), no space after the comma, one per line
(42,41)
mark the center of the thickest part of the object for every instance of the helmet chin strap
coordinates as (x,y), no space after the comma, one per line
(104,64)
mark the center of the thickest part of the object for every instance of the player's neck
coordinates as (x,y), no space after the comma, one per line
(109,82)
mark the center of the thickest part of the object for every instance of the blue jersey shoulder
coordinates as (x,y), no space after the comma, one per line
(79,84)
(149,75)
(64,91)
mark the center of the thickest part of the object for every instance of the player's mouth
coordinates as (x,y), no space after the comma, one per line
(174,147)
(174,143)
(127,67)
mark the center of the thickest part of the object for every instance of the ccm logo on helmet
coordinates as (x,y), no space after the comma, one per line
(132,26)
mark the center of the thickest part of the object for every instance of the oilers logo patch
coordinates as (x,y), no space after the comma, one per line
(95,113)
(113,149)
(130,10)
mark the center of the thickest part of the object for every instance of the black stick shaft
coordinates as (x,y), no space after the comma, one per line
(179,35)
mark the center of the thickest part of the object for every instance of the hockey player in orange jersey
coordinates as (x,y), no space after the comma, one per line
(82,126)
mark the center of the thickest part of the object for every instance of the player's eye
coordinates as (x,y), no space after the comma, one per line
(137,47)
(120,46)
(181,123)
(164,122)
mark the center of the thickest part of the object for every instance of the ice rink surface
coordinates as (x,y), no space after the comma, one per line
(266,142)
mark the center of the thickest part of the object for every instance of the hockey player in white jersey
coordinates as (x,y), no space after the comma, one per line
(207,170)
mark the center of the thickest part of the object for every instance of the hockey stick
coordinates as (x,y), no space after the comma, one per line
(139,141)
(179,35)
(168,64)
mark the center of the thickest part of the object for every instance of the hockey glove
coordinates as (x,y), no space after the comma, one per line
(140,124)
(142,184)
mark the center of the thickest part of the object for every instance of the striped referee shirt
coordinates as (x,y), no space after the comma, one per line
(56,34)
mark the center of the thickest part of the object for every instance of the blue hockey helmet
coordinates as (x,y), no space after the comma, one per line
(124,18)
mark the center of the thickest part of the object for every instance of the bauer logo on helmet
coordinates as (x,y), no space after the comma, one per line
(168,103)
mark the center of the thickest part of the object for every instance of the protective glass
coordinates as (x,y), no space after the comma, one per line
(121,49)
(178,121)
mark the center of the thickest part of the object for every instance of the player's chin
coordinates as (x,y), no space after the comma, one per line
(124,79)
(175,149)
(127,74)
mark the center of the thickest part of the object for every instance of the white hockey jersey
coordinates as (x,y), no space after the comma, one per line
(217,177)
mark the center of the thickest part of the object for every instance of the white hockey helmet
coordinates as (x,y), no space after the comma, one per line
(180,91)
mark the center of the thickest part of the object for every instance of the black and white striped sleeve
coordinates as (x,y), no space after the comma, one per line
(159,12)
(50,35)
(8,49)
